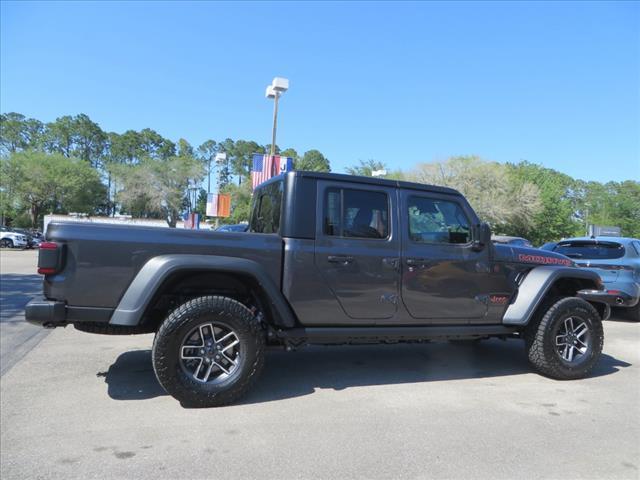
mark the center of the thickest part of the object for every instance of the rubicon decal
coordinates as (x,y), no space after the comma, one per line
(541,259)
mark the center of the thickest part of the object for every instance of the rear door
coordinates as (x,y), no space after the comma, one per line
(444,280)
(357,248)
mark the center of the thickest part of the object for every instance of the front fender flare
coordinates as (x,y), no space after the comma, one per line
(535,286)
(153,274)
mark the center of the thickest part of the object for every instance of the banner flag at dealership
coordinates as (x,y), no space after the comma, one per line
(192,221)
(266,166)
(218,205)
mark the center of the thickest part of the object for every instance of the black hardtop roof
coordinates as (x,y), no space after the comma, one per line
(339,177)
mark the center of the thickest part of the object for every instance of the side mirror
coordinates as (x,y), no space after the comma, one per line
(481,236)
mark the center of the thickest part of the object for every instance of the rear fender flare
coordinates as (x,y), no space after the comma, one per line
(536,285)
(153,274)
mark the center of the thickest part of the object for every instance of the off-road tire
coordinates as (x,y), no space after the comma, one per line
(167,345)
(540,339)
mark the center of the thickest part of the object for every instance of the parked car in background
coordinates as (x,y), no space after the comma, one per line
(549,246)
(240,227)
(33,238)
(514,241)
(615,259)
(11,239)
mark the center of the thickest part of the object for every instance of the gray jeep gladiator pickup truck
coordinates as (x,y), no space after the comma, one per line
(328,259)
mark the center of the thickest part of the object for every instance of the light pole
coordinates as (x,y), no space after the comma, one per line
(586,218)
(278,86)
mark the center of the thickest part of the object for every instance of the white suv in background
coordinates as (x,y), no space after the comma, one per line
(9,239)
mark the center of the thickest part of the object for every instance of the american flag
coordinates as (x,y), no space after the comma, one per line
(192,221)
(212,205)
(266,166)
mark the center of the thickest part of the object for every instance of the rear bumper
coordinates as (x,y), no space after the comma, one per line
(613,298)
(629,291)
(51,313)
(46,313)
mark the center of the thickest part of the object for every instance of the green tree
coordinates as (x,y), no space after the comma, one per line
(556,218)
(240,202)
(242,158)
(41,182)
(498,199)
(612,204)
(291,153)
(58,137)
(626,205)
(184,148)
(207,153)
(365,168)
(155,145)
(125,148)
(267,149)
(157,186)
(90,141)
(313,161)
(224,167)
(19,133)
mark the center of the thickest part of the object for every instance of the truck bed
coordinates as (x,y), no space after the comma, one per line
(100,261)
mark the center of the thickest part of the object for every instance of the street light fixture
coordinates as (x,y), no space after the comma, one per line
(278,86)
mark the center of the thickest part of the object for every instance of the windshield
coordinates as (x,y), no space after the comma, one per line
(590,250)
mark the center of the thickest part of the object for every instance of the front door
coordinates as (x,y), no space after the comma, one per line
(357,248)
(444,280)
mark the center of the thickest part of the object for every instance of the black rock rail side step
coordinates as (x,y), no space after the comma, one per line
(328,335)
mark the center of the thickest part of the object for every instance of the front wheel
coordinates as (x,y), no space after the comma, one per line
(566,342)
(208,352)
(6,243)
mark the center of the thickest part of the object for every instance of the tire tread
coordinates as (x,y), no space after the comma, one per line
(537,349)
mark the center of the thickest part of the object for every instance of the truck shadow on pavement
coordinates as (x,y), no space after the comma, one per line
(16,291)
(295,374)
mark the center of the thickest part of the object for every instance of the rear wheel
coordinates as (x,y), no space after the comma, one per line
(566,342)
(6,243)
(208,352)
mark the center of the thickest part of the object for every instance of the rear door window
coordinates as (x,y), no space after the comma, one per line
(590,250)
(356,213)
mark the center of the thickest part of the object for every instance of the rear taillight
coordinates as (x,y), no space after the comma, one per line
(49,258)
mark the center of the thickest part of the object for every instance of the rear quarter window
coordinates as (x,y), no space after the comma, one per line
(266,207)
(591,250)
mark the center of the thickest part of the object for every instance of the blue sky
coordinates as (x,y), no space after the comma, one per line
(553,83)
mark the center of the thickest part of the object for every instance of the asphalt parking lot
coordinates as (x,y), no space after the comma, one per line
(75,405)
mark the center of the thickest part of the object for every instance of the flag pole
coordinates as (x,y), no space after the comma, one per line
(275,124)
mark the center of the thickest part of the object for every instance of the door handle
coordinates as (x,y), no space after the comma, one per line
(341,259)
(392,263)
